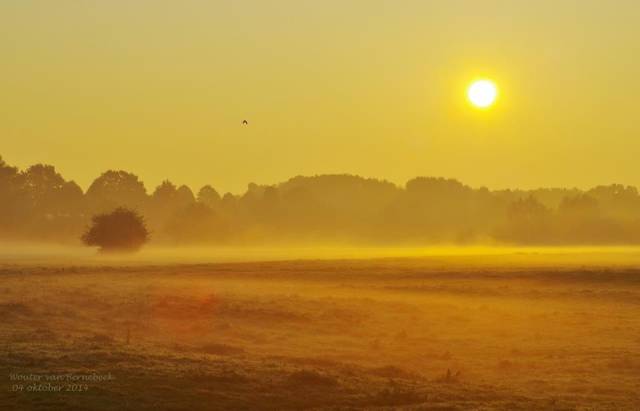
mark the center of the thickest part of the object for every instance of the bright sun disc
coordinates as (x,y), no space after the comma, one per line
(482,93)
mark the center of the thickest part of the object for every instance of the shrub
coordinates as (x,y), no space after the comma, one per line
(121,230)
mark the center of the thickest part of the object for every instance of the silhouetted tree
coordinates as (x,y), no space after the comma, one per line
(49,193)
(71,199)
(116,189)
(209,196)
(14,203)
(618,201)
(121,230)
(528,222)
(184,196)
(165,192)
(167,199)
(229,200)
(580,206)
(195,223)
(163,202)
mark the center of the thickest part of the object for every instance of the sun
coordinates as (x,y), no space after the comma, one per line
(482,93)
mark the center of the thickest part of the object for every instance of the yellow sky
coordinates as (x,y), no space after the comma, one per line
(375,88)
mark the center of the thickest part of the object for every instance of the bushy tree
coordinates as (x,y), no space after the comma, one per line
(121,230)
(208,196)
(116,189)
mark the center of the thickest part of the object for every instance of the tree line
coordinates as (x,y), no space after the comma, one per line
(38,204)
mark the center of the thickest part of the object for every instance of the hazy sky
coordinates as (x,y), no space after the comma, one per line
(375,88)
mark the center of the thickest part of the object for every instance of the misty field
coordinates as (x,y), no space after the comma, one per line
(431,334)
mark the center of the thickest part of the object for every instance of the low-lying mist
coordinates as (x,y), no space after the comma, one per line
(489,255)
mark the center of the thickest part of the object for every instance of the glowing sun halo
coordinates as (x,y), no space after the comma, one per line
(482,93)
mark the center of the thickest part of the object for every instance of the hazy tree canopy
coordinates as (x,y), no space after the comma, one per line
(196,223)
(46,189)
(166,195)
(165,192)
(119,230)
(14,202)
(39,204)
(115,189)
(184,196)
(209,196)
(528,222)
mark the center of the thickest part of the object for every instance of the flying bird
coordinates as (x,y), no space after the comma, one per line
(245,122)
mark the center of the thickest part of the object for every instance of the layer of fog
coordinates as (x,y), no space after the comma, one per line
(33,253)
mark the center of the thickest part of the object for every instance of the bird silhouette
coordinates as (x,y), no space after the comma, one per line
(245,122)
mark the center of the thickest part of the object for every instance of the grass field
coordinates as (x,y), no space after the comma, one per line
(441,333)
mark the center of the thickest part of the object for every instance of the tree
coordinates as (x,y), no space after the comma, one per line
(165,192)
(528,222)
(45,189)
(116,189)
(184,196)
(209,196)
(122,230)
(13,200)
(166,200)
(167,196)
(195,223)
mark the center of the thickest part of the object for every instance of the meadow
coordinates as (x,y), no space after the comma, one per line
(484,332)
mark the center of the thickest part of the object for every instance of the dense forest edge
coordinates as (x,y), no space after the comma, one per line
(38,204)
